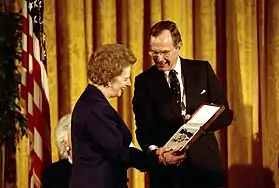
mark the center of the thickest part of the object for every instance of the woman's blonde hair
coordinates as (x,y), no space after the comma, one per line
(108,62)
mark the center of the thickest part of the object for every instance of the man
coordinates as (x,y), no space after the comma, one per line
(165,96)
(57,175)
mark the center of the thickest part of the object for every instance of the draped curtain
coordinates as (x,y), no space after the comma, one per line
(239,38)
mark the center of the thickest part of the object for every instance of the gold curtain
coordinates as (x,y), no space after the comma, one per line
(238,37)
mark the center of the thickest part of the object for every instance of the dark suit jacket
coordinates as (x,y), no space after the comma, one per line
(57,175)
(100,141)
(158,118)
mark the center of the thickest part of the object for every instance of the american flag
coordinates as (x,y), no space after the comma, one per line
(34,89)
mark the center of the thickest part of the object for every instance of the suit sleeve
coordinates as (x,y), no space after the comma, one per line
(144,116)
(218,96)
(102,129)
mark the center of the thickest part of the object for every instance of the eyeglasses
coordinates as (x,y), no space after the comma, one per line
(164,54)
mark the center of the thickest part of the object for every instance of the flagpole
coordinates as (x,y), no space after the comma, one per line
(2,165)
(2,150)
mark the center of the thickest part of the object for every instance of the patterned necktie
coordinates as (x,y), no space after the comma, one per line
(175,87)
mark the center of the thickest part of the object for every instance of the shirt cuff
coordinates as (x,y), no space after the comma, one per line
(132,145)
(151,148)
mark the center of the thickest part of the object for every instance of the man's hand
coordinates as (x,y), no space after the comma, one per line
(170,156)
(174,157)
(161,151)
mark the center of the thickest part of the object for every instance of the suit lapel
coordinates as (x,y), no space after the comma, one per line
(189,84)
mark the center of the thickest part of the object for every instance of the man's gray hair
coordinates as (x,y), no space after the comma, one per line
(61,135)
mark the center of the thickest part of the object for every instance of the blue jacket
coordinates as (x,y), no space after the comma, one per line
(100,141)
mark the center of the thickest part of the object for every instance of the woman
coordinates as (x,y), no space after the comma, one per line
(100,138)
(57,175)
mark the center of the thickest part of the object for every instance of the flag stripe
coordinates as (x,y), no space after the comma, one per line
(34,89)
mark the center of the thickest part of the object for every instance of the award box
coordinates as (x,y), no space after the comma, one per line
(195,127)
